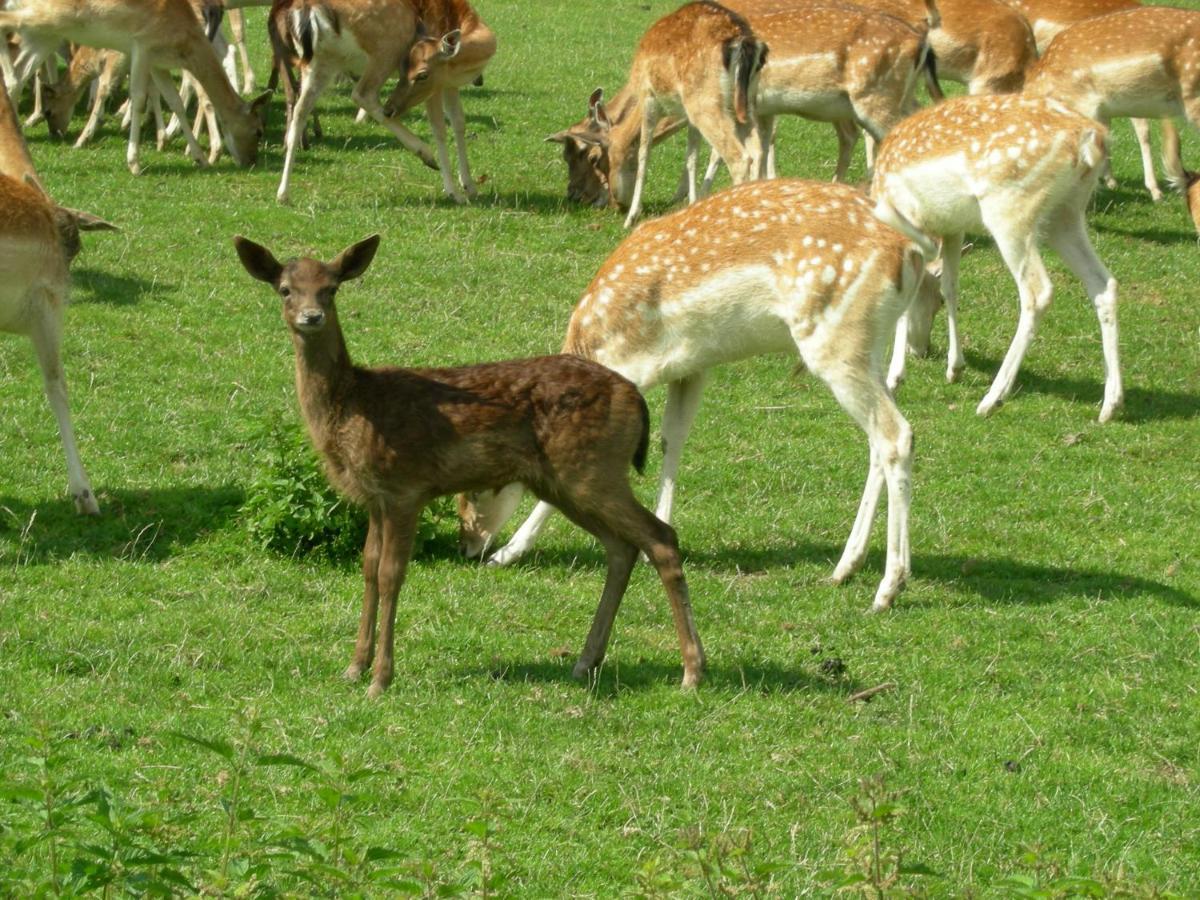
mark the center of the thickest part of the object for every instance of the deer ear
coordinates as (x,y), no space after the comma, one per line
(559,137)
(450,44)
(353,261)
(258,260)
(596,110)
(86,221)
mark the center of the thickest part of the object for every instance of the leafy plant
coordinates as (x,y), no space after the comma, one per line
(291,509)
(872,869)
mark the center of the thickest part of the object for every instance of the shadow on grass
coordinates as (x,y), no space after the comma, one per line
(133,525)
(997,579)
(95,286)
(1153,235)
(749,676)
(1140,405)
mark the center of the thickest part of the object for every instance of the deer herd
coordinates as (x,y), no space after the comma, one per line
(831,272)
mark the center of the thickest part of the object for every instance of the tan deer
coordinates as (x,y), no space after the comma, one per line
(1142,62)
(369,39)
(158,35)
(451,50)
(767,267)
(699,63)
(1019,168)
(38,240)
(1048,18)
(395,439)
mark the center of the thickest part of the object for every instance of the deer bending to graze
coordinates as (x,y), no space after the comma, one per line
(828,62)
(394,439)
(451,50)
(1048,18)
(366,38)
(158,35)
(767,267)
(699,63)
(1019,168)
(1142,62)
(38,240)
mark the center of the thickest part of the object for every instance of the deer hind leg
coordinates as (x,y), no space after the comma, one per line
(312,82)
(740,146)
(366,95)
(237,28)
(139,84)
(847,137)
(1067,234)
(683,402)
(766,131)
(1018,247)
(46,334)
(889,436)
(710,173)
(398,526)
(624,526)
(458,121)
(1141,128)
(364,645)
(435,109)
(113,66)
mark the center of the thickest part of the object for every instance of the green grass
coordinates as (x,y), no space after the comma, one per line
(1045,653)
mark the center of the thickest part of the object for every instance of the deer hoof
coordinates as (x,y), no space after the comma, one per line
(375,691)
(354,671)
(86,505)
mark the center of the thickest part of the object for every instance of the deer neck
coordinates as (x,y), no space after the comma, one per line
(15,160)
(206,68)
(323,374)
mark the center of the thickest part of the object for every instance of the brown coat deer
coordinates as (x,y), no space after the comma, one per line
(768,267)
(394,439)
(1019,168)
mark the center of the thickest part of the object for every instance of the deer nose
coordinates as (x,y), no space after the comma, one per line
(311,318)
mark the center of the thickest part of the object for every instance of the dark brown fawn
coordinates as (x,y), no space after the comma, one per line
(394,439)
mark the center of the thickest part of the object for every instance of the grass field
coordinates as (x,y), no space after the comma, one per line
(1043,732)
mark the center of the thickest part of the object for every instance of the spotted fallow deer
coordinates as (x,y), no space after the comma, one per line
(1020,168)
(369,39)
(452,48)
(394,439)
(38,240)
(1142,62)
(766,267)
(158,35)
(699,63)
(1049,17)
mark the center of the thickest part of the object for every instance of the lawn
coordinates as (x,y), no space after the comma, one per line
(1044,725)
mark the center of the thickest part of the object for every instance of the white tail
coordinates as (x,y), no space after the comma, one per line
(766,267)
(1016,167)
(566,427)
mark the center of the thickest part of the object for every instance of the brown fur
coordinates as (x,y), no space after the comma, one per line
(394,439)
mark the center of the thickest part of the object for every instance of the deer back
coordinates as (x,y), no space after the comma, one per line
(759,268)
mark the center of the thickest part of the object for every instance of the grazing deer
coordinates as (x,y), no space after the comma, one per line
(158,35)
(1142,62)
(1019,168)
(38,240)
(827,62)
(767,267)
(699,63)
(1048,18)
(1182,181)
(451,50)
(367,38)
(394,439)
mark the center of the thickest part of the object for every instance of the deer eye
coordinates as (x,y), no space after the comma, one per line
(285,291)
(421,76)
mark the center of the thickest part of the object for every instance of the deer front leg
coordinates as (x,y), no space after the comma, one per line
(1141,128)
(399,526)
(683,402)
(459,122)
(46,338)
(435,109)
(166,89)
(139,83)
(366,95)
(312,82)
(364,644)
